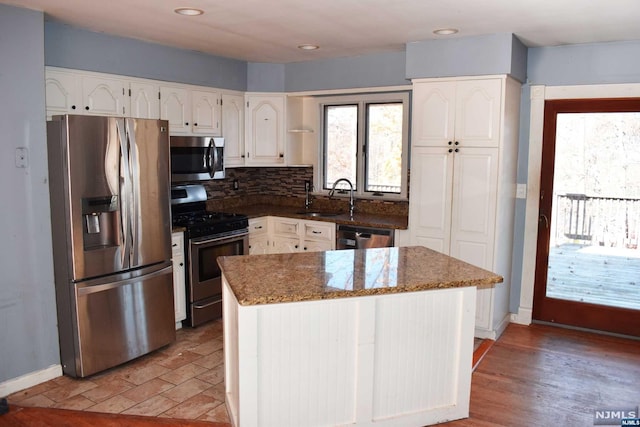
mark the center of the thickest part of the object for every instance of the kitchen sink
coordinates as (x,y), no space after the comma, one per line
(317,213)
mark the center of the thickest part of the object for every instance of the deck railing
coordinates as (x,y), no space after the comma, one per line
(604,221)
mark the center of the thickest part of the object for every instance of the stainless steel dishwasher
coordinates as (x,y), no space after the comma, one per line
(350,237)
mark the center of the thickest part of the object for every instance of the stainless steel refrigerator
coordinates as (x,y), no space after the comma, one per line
(109,182)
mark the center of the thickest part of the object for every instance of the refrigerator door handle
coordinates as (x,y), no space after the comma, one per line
(134,209)
(124,194)
(92,289)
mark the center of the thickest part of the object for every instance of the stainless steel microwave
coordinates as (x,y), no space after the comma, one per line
(196,158)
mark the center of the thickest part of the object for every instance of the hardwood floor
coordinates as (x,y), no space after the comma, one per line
(542,375)
(534,375)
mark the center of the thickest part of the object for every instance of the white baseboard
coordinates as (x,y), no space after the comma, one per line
(494,334)
(29,380)
(523,317)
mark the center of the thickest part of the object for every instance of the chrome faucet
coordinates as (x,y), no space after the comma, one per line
(333,189)
(308,187)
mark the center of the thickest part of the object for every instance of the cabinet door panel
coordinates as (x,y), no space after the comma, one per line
(175,108)
(179,289)
(474,201)
(144,101)
(430,203)
(258,245)
(433,113)
(105,97)
(265,130)
(282,245)
(205,110)
(478,105)
(63,93)
(313,246)
(233,129)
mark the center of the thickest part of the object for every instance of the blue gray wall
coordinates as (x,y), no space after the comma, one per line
(385,69)
(467,56)
(70,47)
(265,77)
(28,332)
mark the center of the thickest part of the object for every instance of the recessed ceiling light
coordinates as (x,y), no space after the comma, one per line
(445,31)
(308,47)
(188,11)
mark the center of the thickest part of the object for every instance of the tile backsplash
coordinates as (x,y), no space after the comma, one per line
(283,186)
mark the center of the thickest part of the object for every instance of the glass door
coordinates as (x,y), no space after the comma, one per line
(588,261)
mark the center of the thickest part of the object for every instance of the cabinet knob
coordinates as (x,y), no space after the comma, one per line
(281,155)
(451,150)
(174,245)
(457,150)
(457,143)
(296,246)
(195,124)
(86,108)
(73,107)
(186,123)
(450,142)
(305,248)
(181,264)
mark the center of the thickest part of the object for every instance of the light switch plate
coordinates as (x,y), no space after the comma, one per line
(521,191)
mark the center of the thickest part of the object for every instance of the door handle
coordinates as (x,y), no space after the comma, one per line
(543,218)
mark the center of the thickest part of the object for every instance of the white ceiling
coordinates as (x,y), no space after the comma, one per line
(271,30)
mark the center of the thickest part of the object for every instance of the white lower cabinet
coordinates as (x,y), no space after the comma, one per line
(258,236)
(285,235)
(179,290)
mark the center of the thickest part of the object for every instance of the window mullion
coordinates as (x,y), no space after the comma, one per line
(361,151)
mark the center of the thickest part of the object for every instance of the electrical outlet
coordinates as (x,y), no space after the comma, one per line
(236,184)
(521,191)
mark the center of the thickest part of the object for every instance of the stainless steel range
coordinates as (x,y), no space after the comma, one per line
(208,235)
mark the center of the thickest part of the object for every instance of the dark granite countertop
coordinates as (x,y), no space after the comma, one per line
(359,218)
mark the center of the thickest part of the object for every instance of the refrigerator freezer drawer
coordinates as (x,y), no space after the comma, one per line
(122,320)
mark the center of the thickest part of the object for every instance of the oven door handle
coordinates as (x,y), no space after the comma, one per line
(197,305)
(239,236)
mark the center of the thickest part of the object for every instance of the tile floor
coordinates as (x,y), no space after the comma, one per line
(184,380)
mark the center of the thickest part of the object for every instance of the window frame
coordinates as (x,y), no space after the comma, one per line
(362,100)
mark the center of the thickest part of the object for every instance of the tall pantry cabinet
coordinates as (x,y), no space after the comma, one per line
(463,179)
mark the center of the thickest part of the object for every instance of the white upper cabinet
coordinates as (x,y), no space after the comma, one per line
(466,112)
(190,110)
(233,129)
(105,97)
(253,124)
(63,93)
(145,100)
(205,112)
(70,92)
(175,107)
(265,133)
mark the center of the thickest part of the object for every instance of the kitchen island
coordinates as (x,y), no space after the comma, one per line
(354,337)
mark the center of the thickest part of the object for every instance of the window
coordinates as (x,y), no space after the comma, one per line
(365,139)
